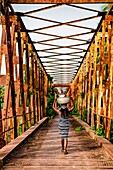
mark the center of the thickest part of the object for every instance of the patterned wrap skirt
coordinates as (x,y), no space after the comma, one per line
(63,127)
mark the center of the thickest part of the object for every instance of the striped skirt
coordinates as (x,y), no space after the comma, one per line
(63,127)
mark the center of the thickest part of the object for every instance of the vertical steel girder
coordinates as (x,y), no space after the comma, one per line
(11,81)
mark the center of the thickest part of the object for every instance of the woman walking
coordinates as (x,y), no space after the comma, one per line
(63,125)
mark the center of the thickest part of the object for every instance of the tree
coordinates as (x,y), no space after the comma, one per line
(2,90)
(106,7)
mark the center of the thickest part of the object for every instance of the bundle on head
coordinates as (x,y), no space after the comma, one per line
(63,100)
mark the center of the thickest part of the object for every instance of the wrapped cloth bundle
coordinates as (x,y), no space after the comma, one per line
(63,100)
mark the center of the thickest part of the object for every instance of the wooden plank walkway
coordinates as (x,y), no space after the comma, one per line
(43,151)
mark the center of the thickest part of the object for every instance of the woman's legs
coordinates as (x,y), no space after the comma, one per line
(65,145)
(62,143)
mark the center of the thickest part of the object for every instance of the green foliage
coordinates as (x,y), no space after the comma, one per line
(111,139)
(75,111)
(31,93)
(50,98)
(27,127)
(24,76)
(106,7)
(82,95)
(20,101)
(111,132)
(55,90)
(20,129)
(98,60)
(80,128)
(27,124)
(84,115)
(49,110)
(50,78)
(2,90)
(100,132)
(92,128)
(105,49)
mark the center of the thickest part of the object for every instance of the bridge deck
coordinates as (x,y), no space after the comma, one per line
(43,151)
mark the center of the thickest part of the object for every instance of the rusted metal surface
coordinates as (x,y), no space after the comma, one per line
(61,85)
(20,49)
(58,1)
(11,78)
(94,79)
(19,79)
(33,86)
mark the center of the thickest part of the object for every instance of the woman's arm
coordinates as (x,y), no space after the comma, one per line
(55,108)
(72,107)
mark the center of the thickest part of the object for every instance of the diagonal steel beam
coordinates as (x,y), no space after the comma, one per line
(42,9)
(62,54)
(83,8)
(58,36)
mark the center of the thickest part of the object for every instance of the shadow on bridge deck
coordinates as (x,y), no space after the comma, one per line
(42,151)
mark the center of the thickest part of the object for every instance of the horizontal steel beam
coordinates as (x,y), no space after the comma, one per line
(57,1)
(61,85)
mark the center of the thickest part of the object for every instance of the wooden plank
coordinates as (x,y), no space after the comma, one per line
(58,1)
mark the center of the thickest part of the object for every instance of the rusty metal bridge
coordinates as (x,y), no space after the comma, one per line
(59,46)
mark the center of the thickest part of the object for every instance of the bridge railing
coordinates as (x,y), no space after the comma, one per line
(92,87)
(23,80)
